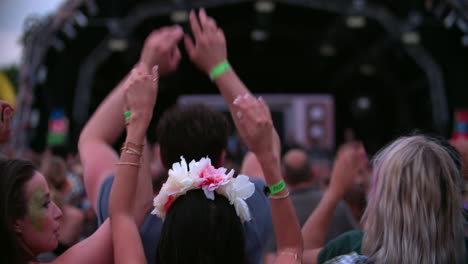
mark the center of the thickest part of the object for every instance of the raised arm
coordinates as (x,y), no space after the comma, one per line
(253,121)
(107,123)
(209,50)
(351,160)
(99,158)
(140,99)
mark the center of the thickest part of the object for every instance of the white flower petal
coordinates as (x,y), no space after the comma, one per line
(243,187)
(242,209)
(209,194)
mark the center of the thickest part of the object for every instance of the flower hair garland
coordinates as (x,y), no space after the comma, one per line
(202,175)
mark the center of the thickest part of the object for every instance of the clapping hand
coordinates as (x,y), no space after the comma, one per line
(161,49)
(140,96)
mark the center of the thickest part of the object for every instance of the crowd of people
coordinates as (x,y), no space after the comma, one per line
(176,203)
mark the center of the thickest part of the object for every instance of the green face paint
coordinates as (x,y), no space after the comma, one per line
(37,214)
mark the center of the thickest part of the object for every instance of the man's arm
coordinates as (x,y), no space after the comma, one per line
(99,158)
(349,162)
(107,123)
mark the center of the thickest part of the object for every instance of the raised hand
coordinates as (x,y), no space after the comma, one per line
(5,122)
(209,48)
(253,121)
(161,49)
(140,96)
(351,160)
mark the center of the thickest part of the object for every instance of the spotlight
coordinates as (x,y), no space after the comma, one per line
(450,19)
(118,45)
(363,103)
(462,25)
(327,50)
(356,22)
(92,7)
(57,44)
(42,74)
(180,16)
(81,19)
(69,30)
(411,38)
(464,41)
(259,35)
(317,113)
(264,6)
(316,131)
(367,69)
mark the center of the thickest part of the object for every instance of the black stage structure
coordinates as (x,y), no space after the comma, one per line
(408,60)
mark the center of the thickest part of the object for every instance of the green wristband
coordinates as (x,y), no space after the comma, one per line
(274,189)
(219,70)
(127,115)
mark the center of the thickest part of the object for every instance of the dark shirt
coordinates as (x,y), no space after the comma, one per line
(305,200)
(257,230)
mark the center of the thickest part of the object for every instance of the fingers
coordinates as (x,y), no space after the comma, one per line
(175,57)
(189,46)
(175,33)
(203,18)
(196,29)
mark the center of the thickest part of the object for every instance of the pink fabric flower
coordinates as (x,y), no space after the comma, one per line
(202,174)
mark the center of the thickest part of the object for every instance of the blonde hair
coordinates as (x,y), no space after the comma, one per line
(414,213)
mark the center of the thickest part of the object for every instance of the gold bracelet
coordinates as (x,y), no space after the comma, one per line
(130,151)
(128,163)
(279,197)
(134,144)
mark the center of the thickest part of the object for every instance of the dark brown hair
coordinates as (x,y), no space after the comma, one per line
(14,174)
(194,131)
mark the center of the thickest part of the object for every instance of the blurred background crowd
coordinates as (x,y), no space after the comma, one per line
(332,72)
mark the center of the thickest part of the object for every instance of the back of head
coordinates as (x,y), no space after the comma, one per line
(198,230)
(414,214)
(13,176)
(54,170)
(194,131)
(296,167)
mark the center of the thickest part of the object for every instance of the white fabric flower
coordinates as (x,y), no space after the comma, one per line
(202,174)
(237,191)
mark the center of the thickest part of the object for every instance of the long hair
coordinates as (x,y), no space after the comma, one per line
(201,231)
(414,214)
(13,176)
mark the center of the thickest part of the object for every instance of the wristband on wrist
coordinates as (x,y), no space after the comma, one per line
(276,188)
(219,70)
(127,115)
